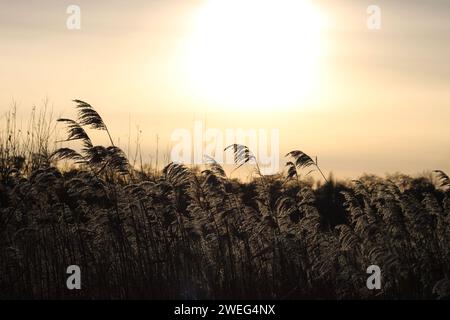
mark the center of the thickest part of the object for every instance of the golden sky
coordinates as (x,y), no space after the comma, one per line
(362,100)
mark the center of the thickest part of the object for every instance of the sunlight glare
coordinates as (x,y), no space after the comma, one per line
(254,54)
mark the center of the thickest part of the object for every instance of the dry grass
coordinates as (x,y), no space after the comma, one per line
(181,233)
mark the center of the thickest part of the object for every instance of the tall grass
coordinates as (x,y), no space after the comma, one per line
(182,233)
(26,147)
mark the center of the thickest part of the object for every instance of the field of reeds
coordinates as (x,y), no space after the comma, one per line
(183,233)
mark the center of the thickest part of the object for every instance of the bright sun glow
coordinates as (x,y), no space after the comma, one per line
(254,54)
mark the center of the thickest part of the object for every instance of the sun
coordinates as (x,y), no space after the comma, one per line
(254,54)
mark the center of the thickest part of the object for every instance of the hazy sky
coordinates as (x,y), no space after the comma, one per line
(380,100)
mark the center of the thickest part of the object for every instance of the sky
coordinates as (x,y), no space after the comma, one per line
(362,100)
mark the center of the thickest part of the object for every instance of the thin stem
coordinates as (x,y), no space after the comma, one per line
(109,135)
(318,168)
